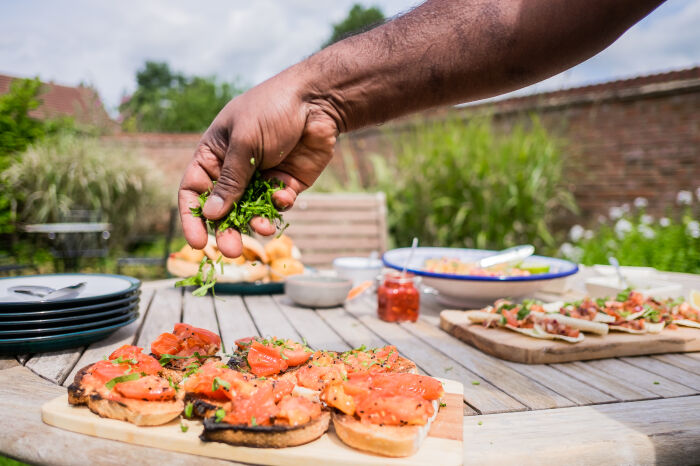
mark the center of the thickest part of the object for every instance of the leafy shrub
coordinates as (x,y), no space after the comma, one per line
(67,172)
(461,184)
(636,238)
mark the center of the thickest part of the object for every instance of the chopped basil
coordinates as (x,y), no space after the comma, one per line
(220,414)
(173,385)
(476,382)
(183,427)
(188,410)
(220,383)
(523,312)
(443,404)
(253,422)
(122,378)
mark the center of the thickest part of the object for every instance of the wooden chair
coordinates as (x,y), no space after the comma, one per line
(326,226)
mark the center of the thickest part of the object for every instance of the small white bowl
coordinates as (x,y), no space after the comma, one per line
(317,291)
(609,286)
(358,269)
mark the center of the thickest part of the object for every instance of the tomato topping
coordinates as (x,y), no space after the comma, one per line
(149,388)
(104,371)
(335,396)
(293,353)
(257,408)
(420,385)
(264,360)
(144,362)
(228,383)
(283,386)
(394,410)
(297,410)
(244,343)
(190,340)
(318,376)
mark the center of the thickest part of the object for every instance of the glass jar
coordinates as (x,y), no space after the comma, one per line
(398,300)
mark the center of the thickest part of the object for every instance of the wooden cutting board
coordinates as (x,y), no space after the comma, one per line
(512,346)
(443,443)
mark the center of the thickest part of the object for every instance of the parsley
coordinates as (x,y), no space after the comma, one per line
(183,427)
(523,312)
(480,423)
(476,382)
(121,360)
(624,295)
(443,404)
(122,378)
(503,320)
(173,385)
(188,410)
(600,302)
(253,422)
(448,369)
(220,383)
(220,414)
(203,283)
(656,382)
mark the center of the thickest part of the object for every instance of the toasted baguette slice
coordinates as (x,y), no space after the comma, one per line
(275,436)
(203,407)
(396,441)
(139,412)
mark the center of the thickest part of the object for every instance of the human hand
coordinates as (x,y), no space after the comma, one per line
(274,128)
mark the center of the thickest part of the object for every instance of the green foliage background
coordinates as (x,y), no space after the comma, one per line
(168,101)
(359,18)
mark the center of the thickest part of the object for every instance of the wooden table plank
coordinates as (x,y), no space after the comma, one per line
(28,439)
(643,432)
(350,329)
(199,312)
(523,389)
(318,334)
(668,371)
(234,320)
(164,312)
(7,362)
(124,336)
(478,392)
(56,365)
(633,375)
(269,318)
(577,391)
(688,362)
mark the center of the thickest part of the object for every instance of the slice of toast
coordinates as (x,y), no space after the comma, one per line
(274,436)
(139,412)
(396,441)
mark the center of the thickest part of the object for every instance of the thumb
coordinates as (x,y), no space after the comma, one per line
(236,172)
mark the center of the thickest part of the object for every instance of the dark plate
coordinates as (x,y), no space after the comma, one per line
(62,321)
(58,342)
(130,285)
(249,288)
(31,332)
(81,310)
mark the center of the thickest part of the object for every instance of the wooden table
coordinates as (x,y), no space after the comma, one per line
(637,410)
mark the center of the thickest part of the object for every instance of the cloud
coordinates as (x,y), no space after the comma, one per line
(104,43)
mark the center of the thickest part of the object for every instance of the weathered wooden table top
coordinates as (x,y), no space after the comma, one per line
(623,410)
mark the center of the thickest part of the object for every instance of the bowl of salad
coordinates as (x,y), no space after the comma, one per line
(460,282)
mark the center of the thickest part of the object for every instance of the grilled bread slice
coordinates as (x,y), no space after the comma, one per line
(274,436)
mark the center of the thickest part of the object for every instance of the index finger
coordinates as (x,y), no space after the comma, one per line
(195,181)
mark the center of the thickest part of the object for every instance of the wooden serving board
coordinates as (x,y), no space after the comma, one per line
(512,346)
(444,441)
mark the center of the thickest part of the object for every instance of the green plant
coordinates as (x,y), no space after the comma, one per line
(358,19)
(67,172)
(461,184)
(636,238)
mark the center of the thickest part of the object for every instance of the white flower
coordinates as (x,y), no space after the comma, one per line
(615,212)
(571,252)
(684,197)
(588,234)
(664,221)
(646,231)
(693,229)
(625,208)
(622,227)
(602,219)
(611,244)
(641,202)
(646,219)
(576,233)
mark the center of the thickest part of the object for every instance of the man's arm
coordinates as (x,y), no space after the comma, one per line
(443,52)
(455,51)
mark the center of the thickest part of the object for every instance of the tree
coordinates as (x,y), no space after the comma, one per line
(169,101)
(359,19)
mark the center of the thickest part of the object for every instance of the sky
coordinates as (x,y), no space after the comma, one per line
(104,43)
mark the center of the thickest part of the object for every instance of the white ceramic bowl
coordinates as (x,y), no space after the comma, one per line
(317,291)
(473,290)
(608,286)
(357,269)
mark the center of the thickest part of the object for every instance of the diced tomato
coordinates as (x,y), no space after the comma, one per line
(104,371)
(296,410)
(394,410)
(294,353)
(316,377)
(334,395)
(264,361)
(414,384)
(244,343)
(149,388)
(190,340)
(283,386)
(145,363)
(166,343)
(230,384)
(257,408)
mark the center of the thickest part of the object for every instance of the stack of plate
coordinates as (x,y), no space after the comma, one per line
(42,321)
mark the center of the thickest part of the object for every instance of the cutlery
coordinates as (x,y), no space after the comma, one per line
(514,254)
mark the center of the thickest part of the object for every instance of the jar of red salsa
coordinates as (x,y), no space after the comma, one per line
(398,299)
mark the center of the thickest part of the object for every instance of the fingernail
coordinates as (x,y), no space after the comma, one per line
(213,205)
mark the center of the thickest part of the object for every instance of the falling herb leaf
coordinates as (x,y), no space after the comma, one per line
(220,414)
(476,382)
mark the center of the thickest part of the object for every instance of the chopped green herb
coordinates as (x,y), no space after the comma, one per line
(219,415)
(253,421)
(121,360)
(476,382)
(443,404)
(252,160)
(480,423)
(523,312)
(183,427)
(656,382)
(188,410)
(448,369)
(220,383)
(173,385)
(122,378)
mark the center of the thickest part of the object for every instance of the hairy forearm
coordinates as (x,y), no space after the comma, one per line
(453,51)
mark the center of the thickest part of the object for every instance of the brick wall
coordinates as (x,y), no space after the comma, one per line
(627,138)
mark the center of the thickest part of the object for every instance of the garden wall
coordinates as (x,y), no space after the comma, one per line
(627,138)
